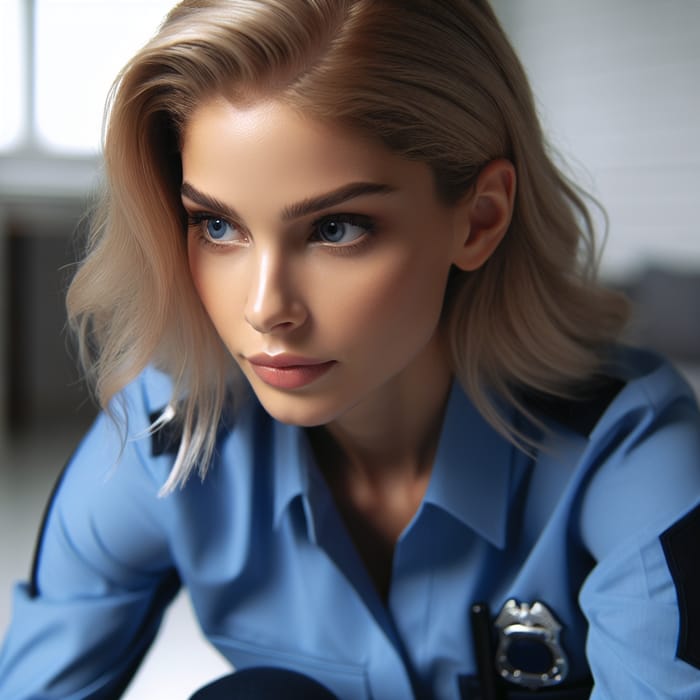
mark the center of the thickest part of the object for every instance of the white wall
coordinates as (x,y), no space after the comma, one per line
(618,85)
(4,341)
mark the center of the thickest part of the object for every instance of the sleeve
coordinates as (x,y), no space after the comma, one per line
(640,520)
(102,577)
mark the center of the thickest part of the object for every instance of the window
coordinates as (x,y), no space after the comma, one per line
(58,59)
(12,70)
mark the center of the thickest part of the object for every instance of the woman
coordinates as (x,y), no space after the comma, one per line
(336,274)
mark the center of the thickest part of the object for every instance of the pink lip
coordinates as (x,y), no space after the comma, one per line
(288,371)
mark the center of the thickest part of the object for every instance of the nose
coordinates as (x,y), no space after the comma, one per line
(273,305)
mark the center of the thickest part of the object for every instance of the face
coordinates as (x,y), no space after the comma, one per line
(320,257)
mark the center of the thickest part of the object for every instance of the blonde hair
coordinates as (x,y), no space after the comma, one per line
(433,80)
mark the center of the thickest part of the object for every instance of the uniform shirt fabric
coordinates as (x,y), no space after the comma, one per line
(586,526)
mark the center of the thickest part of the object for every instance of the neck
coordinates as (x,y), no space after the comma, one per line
(377,460)
(391,435)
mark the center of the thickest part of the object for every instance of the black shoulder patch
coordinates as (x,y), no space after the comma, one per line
(681,543)
(166,438)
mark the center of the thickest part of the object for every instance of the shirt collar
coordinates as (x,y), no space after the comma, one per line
(470,480)
(472,471)
(292,465)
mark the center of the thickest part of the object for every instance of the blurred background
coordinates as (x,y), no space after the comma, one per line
(618,92)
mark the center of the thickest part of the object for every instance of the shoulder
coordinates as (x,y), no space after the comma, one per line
(650,383)
(146,396)
(654,401)
(643,453)
(122,437)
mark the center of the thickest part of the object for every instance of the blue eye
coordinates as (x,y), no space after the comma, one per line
(214,229)
(219,229)
(342,229)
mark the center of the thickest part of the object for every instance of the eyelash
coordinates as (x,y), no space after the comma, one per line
(360,220)
(196,222)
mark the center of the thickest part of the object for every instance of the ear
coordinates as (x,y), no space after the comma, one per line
(485,215)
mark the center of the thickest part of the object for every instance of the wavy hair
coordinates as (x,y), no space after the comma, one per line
(434,81)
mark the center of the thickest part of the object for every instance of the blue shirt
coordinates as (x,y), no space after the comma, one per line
(594,526)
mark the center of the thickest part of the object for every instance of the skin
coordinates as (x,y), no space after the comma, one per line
(360,283)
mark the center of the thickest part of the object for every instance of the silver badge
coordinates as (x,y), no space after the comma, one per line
(534,631)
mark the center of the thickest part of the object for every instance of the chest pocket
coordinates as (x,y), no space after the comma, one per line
(343,679)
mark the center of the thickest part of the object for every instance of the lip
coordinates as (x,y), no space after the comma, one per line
(288,371)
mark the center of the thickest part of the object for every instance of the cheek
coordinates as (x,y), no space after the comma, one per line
(394,301)
(212,283)
(195,262)
(413,308)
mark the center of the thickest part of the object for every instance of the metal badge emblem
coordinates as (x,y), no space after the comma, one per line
(529,651)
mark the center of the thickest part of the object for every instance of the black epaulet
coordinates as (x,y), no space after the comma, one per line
(579,414)
(166,438)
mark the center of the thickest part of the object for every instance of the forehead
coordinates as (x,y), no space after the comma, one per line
(269,142)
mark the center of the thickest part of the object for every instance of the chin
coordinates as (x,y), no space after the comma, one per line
(302,419)
(305,412)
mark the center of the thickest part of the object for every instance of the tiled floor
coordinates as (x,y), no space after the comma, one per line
(180,660)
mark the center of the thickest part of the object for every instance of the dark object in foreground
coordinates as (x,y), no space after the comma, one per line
(263,683)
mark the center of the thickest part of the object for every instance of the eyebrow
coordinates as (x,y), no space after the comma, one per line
(297,210)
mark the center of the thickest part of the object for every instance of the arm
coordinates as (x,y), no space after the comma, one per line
(644,495)
(102,575)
